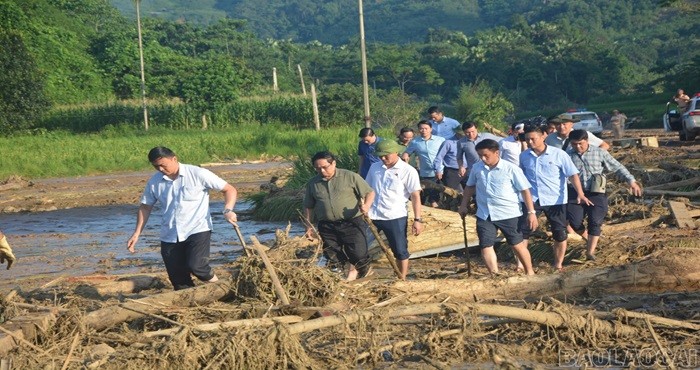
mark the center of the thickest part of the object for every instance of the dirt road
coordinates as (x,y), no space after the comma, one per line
(20,195)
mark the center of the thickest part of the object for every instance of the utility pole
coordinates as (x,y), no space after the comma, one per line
(365,87)
(143,75)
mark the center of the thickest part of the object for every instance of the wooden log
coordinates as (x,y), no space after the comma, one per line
(262,322)
(674,269)
(442,233)
(684,194)
(106,285)
(428,184)
(200,295)
(675,184)
(553,319)
(494,130)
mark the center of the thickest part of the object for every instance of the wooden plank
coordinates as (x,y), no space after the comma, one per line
(650,141)
(680,213)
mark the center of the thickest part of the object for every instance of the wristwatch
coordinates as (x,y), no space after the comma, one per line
(227,210)
(532,212)
(417,220)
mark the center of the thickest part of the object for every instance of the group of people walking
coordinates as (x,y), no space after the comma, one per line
(513,179)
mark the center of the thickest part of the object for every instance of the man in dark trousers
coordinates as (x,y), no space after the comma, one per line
(185,231)
(338,198)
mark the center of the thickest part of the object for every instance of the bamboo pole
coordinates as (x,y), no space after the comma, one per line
(242,239)
(143,74)
(276,284)
(314,104)
(275,88)
(261,322)
(363,57)
(301,77)
(385,248)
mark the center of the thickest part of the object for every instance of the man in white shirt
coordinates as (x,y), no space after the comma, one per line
(564,124)
(395,182)
(511,147)
(185,232)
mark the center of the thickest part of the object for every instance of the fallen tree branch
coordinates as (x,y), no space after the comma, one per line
(669,361)
(276,284)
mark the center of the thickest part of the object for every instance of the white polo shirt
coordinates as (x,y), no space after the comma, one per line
(393,187)
(184,201)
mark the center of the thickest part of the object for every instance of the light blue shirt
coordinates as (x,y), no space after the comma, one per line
(184,201)
(445,128)
(446,156)
(466,151)
(427,151)
(547,174)
(498,190)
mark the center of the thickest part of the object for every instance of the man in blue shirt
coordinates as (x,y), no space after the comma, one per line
(497,184)
(442,126)
(547,168)
(365,150)
(466,151)
(426,147)
(446,166)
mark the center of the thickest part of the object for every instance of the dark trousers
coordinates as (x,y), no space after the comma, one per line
(556,215)
(345,241)
(190,256)
(451,178)
(575,213)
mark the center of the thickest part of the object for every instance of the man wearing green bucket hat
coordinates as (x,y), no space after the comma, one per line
(395,182)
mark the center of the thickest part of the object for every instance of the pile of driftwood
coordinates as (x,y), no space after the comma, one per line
(277,309)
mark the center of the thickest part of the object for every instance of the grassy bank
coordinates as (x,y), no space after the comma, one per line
(61,154)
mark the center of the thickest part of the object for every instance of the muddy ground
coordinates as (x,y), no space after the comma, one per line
(23,195)
(637,231)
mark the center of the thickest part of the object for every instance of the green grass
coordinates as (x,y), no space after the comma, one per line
(62,154)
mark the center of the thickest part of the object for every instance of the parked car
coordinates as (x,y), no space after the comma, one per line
(690,120)
(587,121)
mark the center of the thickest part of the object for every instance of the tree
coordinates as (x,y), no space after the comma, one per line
(402,65)
(22,97)
(478,102)
(212,82)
